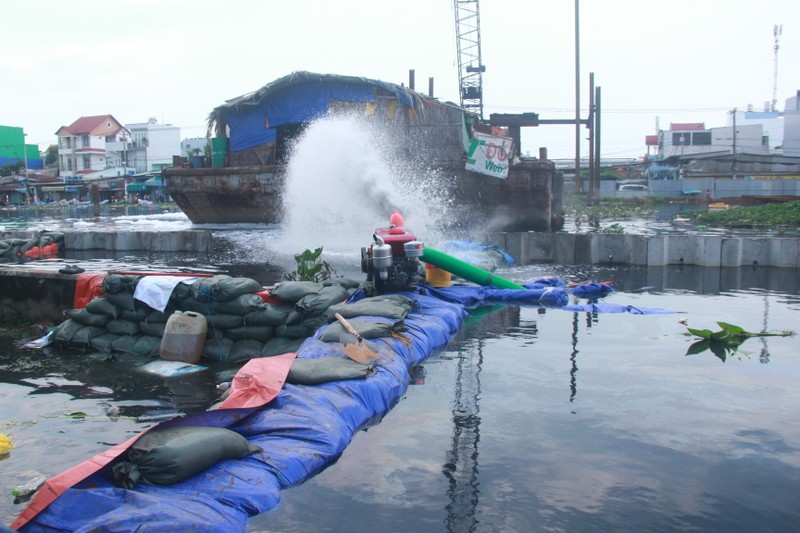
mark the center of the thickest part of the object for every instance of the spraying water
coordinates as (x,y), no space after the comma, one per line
(344,179)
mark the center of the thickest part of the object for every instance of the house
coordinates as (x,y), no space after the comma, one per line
(152,145)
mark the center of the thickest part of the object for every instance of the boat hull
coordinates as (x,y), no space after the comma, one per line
(529,199)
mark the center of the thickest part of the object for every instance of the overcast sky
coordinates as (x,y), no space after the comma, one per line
(657,62)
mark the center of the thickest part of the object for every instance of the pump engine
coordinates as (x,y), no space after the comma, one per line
(392,262)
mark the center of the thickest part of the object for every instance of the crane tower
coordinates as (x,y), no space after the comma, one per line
(470,67)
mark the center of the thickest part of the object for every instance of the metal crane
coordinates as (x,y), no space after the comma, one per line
(470,67)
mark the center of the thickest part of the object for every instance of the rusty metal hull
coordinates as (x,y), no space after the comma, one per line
(528,200)
(228,195)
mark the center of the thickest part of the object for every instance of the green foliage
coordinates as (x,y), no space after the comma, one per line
(787,213)
(310,267)
(726,341)
(613,229)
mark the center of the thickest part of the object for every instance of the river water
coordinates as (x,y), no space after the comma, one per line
(532,419)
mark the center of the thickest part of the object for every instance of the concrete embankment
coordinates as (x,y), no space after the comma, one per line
(32,295)
(640,250)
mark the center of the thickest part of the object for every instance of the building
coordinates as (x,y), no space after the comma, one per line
(791,126)
(83,146)
(152,145)
(687,139)
(15,153)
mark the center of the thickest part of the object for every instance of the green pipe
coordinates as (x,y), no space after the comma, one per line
(465,270)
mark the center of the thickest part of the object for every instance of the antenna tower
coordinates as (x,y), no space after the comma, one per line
(470,67)
(776,32)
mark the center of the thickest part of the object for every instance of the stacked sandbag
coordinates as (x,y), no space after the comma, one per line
(240,326)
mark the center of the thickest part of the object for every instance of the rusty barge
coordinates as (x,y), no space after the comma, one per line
(252,136)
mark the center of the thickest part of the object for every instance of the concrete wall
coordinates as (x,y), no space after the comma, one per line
(601,248)
(35,296)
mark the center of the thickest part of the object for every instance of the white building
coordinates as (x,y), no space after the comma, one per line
(695,139)
(771,123)
(791,126)
(152,145)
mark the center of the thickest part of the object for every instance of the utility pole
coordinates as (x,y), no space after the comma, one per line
(578,182)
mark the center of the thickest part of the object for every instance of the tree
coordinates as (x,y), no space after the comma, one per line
(51,155)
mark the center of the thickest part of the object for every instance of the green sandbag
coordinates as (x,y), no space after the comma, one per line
(87,318)
(123,327)
(280,345)
(64,332)
(258,333)
(304,329)
(347,283)
(137,315)
(103,342)
(307,371)
(394,306)
(316,304)
(146,346)
(292,291)
(154,329)
(226,290)
(83,337)
(126,343)
(164,456)
(203,288)
(269,315)
(223,321)
(240,305)
(123,300)
(120,283)
(244,350)
(156,317)
(217,348)
(195,306)
(367,329)
(102,306)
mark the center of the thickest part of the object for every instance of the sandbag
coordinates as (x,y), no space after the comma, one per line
(180,291)
(123,327)
(64,332)
(292,291)
(84,336)
(226,290)
(164,456)
(101,306)
(258,333)
(217,348)
(156,317)
(195,306)
(394,306)
(125,343)
(87,318)
(223,321)
(244,350)
(304,329)
(280,345)
(203,288)
(308,371)
(123,300)
(146,346)
(120,283)
(316,304)
(240,305)
(136,315)
(103,342)
(268,315)
(367,329)
(154,329)
(347,283)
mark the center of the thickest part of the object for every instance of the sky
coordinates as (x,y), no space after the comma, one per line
(656,62)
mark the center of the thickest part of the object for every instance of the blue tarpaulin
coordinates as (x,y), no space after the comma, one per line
(301,431)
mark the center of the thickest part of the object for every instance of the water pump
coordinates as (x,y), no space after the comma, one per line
(392,262)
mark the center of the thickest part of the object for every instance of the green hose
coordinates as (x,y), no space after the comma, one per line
(465,270)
